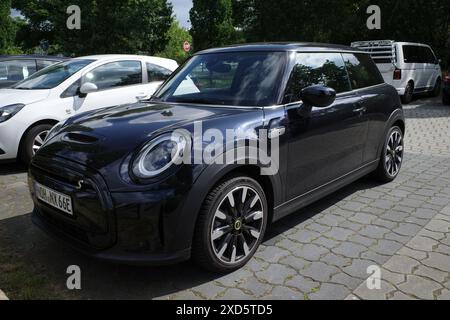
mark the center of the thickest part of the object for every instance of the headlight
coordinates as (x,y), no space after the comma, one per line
(8,112)
(159,155)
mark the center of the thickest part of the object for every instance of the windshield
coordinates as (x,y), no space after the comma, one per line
(52,76)
(234,79)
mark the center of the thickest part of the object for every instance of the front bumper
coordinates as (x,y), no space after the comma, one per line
(125,227)
(10,135)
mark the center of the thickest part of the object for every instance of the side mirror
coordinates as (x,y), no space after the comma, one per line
(318,96)
(88,87)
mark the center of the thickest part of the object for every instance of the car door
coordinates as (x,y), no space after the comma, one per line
(118,82)
(367,82)
(324,143)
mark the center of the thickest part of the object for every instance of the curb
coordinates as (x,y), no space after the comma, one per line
(3,296)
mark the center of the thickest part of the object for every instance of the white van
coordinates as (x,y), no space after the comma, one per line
(409,67)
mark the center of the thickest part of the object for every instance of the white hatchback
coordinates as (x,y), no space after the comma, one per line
(409,67)
(29,109)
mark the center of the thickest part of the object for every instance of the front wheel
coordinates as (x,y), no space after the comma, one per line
(231,225)
(392,156)
(437,89)
(33,140)
(408,96)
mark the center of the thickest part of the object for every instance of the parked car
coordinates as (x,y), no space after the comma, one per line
(109,182)
(446,90)
(410,67)
(29,109)
(19,67)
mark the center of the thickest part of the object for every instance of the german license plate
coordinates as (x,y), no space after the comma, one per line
(54,198)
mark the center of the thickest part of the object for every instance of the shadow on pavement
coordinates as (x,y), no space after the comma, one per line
(102,280)
(7,168)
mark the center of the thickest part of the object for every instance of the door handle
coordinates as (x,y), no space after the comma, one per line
(360,110)
(276,132)
(142,97)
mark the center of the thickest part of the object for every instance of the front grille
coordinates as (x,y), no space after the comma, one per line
(93,221)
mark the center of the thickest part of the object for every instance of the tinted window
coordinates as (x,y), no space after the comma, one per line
(156,73)
(45,63)
(362,70)
(418,54)
(115,74)
(16,70)
(234,78)
(325,69)
(54,75)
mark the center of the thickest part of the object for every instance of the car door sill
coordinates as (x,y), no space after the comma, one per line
(311,196)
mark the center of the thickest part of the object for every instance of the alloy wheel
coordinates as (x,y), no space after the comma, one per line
(39,141)
(237,225)
(394,153)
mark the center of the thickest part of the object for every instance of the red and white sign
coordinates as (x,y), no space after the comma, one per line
(186,46)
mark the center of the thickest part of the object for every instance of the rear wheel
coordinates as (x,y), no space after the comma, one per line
(392,156)
(33,140)
(408,96)
(231,225)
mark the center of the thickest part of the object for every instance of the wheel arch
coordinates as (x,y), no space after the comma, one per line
(208,179)
(37,123)
(396,119)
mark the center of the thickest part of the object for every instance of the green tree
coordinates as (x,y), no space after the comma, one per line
(120,26)
(174,48)
(7,29)
(212,23)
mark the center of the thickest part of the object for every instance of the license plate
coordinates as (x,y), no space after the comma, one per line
(53,198)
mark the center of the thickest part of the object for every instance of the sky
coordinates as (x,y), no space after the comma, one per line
(180,7)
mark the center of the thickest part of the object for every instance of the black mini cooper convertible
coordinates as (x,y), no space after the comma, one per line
(111,182)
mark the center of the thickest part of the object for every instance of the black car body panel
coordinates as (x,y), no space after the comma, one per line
(119,218)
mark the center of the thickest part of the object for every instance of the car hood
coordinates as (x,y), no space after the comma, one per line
(14,96)
(106,137)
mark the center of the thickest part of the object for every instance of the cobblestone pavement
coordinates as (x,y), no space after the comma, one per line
(321,252)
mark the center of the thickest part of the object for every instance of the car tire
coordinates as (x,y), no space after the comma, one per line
(228,232)
(437,89)
(408,96)
(34,138)
(392,156)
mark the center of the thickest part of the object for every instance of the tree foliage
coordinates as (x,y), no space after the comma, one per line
(120,26)
(174,48)
(7,29)
(212,24)
(344,21)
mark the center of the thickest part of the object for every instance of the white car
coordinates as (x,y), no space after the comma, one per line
(29,109)
(409,67)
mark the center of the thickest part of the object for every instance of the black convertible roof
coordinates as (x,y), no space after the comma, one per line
(283,46)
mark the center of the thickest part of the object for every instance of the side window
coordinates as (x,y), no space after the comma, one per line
(156,73)
(429,56)
(45,63)
(326,69)
(362,71)
(17,70)
(115,74)
(413,54)
(72,90)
